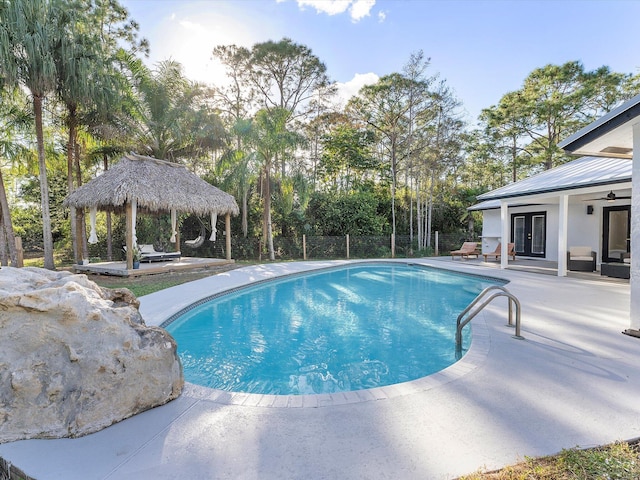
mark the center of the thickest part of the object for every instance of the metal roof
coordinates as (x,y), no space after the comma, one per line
(486,205)
(580,173)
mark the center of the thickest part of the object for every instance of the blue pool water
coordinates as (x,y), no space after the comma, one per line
(342,329)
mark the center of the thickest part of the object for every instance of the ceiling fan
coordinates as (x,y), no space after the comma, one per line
(611,197)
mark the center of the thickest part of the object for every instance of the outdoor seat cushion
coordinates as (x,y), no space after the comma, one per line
(576,252)
(146,248)
(582,257)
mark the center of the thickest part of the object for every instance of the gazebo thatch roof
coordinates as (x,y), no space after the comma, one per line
(156,185)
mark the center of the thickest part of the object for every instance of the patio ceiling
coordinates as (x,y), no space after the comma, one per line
(609,136)
(618,132)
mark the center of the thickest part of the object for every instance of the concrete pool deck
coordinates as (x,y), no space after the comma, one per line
(573,381)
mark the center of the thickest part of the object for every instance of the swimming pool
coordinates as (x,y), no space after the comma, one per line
(348,328)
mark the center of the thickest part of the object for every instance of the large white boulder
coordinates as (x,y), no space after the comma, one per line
(76,358)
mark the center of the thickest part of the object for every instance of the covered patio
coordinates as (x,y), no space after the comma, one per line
(618,134)
(140,184)
(535,266)
(583,202)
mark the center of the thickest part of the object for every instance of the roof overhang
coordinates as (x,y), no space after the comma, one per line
(572,190)
(494,205)
(486,205)
(609,136)
(550,197)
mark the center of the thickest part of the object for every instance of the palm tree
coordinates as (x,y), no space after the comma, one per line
(88,84)
(74,68)
(174,120)
(238,170)
(271,138)
(13,118)
(30,33)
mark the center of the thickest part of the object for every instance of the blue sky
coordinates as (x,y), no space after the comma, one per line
(483,49)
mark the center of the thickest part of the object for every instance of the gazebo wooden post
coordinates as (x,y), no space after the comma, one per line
(227,228)
(129,235)
(177,244)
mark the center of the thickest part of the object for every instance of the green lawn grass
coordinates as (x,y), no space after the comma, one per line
(145,288)
(617,461)
(146,284)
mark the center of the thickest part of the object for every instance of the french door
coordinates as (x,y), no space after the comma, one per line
(529,233)
(616,228)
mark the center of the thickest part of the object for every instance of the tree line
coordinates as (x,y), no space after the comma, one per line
(397,158)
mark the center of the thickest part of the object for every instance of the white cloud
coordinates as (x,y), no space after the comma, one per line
(358,9)
(361,9)
(190,36)
(330,7)
(382,16)
(348,89)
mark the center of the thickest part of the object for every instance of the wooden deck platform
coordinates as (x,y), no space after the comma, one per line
(120,268)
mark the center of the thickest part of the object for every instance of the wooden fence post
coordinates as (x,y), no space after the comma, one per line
(304,246)
(347,246)
(227,232)
(19,252)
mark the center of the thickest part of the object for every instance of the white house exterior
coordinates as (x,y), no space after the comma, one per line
(618,134)
(571,205)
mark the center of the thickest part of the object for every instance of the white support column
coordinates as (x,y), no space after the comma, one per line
(635,233)
(563,225)
(505,225)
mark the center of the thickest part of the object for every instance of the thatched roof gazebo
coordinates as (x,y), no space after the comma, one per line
(140,182)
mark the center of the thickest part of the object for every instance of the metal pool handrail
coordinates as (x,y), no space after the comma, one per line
(503,292)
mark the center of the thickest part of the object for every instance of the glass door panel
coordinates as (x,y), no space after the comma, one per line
(538,234)
(529,233)
(519,233)
(616,225)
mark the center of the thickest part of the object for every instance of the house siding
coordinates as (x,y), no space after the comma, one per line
(582,229)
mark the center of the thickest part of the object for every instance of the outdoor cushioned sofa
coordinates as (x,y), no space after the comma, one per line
(149,254)
(581,259)
(620,269)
